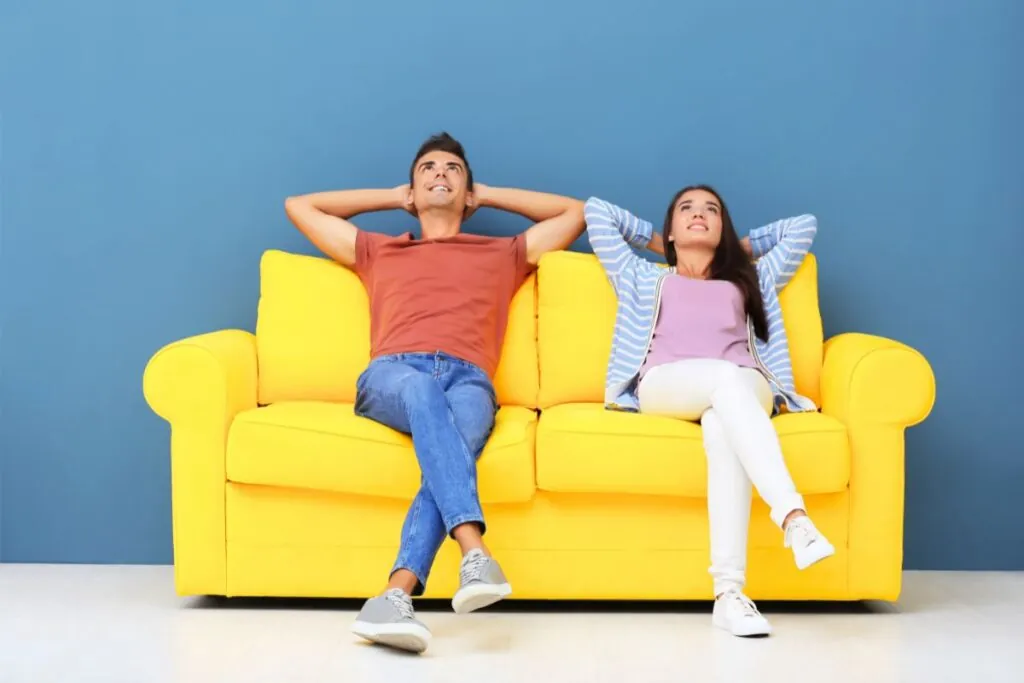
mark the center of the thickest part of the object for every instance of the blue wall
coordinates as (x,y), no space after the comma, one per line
(146,149)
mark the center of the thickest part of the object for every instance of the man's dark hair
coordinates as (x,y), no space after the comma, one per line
(442,142)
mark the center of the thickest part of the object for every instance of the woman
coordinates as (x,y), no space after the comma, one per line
(703,340)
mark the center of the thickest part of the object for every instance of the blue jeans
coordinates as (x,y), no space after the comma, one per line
(448,406)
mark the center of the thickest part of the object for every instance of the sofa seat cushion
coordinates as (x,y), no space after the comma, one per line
(325,446)
(583,448)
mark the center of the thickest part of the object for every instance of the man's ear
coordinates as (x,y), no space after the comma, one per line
(410,203)
(470,205)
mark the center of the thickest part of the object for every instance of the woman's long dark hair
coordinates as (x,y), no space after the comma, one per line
(730,261)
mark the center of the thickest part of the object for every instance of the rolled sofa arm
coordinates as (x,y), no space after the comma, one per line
(874,379)
(199,385)
(209,377)
(877,387)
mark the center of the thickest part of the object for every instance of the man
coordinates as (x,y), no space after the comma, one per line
(438,313)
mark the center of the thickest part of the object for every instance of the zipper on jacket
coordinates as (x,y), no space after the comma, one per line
(654,320)
(757,357)
(654,323)
(791,397)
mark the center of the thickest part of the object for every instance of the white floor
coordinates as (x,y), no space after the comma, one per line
(113,624)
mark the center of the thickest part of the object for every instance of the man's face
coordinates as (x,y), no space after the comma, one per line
(439,182)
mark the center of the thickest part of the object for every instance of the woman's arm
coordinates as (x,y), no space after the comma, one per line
(657,245)
(612,230)
(780,248)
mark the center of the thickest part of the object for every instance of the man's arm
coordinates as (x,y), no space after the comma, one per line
(559,220)
(322,217)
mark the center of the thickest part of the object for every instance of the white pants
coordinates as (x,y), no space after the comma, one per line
(733,405)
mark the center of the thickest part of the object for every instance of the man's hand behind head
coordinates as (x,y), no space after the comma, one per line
(405,198)
(475,199)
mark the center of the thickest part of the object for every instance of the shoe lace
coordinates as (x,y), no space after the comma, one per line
(743,604)
(472,567)
(797,532)
(400,602)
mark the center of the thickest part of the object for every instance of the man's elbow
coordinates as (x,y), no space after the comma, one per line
(574,224)
(293,203)
(297,207)
(578,213)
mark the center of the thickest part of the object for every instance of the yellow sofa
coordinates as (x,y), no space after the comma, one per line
(280,490)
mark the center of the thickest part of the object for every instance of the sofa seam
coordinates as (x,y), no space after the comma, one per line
(362,439)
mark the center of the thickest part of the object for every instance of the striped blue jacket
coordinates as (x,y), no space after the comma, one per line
(779,249)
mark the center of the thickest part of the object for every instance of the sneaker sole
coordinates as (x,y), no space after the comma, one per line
(818,554)
(478,596)
(408,637)
(741,633)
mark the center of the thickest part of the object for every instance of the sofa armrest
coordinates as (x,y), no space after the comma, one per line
(877,387)
(877,380)
(203,379)
(198,385)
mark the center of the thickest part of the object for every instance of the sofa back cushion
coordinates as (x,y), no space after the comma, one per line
(801,315)
(576,320)
(313,334)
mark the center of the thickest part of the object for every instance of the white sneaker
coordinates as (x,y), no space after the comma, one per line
(808,544)
(737,614)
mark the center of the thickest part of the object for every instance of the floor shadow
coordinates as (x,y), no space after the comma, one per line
(546,606)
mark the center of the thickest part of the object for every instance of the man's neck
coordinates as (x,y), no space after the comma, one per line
(436,225)
(694,263)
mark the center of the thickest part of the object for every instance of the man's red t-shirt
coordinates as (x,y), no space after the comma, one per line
(450,294)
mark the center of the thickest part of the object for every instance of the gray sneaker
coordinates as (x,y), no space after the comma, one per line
(481,583)
(389,620)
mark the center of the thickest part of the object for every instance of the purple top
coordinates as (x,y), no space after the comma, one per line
(699,319)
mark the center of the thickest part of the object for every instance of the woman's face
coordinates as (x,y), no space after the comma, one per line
(697,220)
